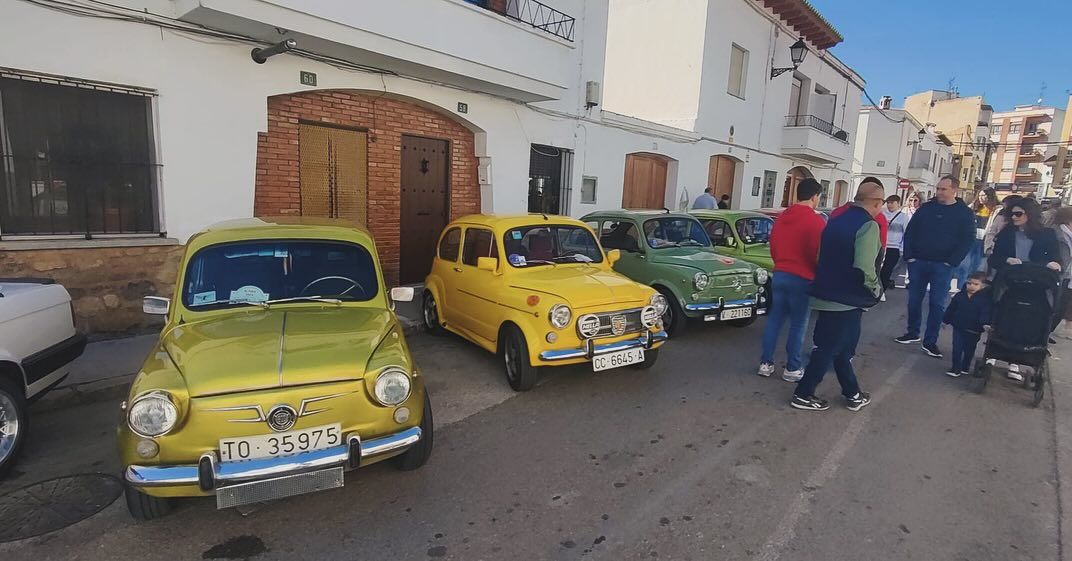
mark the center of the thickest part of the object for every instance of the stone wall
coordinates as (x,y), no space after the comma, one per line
(106,283)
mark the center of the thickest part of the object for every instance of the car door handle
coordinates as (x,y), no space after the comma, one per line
(457,269)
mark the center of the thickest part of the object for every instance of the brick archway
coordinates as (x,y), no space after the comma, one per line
(374,126)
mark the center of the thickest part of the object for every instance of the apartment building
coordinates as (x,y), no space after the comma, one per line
(1062,161)
(1026,143)
(965,121)
(903,152)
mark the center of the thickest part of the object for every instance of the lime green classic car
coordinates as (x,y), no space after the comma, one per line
(281,365)
(740,233)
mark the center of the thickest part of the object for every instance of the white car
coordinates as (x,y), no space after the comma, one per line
(38,341)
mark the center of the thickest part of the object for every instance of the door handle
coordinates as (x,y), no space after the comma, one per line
(457,269)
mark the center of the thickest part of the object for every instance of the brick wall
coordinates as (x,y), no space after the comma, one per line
(106,283)
(278,190)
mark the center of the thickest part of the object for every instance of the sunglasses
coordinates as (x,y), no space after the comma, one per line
(1018,213)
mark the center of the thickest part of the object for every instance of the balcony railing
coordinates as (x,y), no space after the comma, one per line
(817,124)
(531,12)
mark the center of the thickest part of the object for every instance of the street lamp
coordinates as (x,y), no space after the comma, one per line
(797,52)
(922,134)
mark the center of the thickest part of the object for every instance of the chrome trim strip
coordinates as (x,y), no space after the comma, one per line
(249,470)
(746,302)
(644,341)
(304,411)
(282,340)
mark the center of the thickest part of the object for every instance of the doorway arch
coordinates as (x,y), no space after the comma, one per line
(793,178)
(646,179)
(722,175)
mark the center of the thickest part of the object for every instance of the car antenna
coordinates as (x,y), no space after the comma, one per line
(544,216)
(667,210)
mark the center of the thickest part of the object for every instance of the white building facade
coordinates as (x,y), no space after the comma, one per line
(891,147)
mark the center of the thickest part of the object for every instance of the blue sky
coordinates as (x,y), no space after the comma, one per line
(1001,49)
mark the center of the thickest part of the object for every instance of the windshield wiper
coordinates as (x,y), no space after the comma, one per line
(232,302)
(693,242)
(576,258)
(539,262)
(325,299)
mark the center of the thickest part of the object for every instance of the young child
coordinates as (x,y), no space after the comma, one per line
(969,313)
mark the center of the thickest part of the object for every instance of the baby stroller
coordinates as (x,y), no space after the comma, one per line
(1025,300)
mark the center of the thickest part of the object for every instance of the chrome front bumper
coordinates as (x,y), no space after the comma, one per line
(591,348)
(723,304)
(209,473)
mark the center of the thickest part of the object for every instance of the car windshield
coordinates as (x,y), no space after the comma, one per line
(754,229)
(267,271)
(528,246)
(674,231)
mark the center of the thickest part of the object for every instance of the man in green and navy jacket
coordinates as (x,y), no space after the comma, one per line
(846,283)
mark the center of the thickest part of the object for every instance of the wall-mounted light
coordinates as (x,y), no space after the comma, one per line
(261,55)
(797,52)
(921,134)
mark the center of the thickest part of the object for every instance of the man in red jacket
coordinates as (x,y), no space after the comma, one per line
(794,248)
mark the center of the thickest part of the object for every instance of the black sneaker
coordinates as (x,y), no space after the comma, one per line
(810,403)
(858,401)
(953,372)
(931,349)
(908,339)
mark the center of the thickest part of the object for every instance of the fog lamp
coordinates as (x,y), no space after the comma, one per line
(401,415)
(147,448)
(551,337)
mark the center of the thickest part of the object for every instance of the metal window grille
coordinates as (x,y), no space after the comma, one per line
(75,159)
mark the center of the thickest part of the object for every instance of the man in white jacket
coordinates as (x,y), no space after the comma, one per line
(898,222)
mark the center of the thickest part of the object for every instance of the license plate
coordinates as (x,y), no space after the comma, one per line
(736,313)
(617,359)
(280,444)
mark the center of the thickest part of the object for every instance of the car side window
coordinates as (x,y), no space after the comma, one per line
(619,235)
(449,246)
(478,243)
(720,233)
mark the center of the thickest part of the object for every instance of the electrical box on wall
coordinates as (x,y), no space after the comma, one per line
(591,94)
(483,171)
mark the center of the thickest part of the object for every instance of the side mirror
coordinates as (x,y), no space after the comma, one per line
(487,263)
(613,256)
(402,294)
(156,305)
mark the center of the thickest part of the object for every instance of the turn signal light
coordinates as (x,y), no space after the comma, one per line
(533,300)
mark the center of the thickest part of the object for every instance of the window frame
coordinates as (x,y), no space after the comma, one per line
(742,90)
(457,248)
(732,234)
(632,224)
(493,250)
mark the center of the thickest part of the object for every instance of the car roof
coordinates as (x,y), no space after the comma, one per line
(727,213)
(638,213)
(507,221)
(283,227)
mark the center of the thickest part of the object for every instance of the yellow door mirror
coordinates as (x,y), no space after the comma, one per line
(487,263)
(613,256)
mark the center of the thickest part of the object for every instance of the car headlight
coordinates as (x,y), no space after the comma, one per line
(700,280)
(761,276)
(658,301)
(649,316)
(392,387)
(560,315)
(152,414)
(588,326)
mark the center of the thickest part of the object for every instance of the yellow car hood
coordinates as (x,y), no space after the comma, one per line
(259,349)
(583,286)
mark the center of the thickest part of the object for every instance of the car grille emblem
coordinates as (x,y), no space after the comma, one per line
(617,324)
(282,418)
(737,284)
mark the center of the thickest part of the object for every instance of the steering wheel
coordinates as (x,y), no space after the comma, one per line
(353,284)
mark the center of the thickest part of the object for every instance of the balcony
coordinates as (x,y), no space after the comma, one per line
(810,138)
(1028,174)
(519,49)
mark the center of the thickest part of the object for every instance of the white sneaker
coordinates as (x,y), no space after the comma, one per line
(766,369)
(882,298)
(1014,373)
(792,376)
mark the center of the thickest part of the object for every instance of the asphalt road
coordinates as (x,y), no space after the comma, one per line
(696,459)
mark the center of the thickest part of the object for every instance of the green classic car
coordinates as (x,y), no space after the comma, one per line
(672,253)
(740,233)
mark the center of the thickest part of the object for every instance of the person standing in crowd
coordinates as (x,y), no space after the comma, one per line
(794,247)
(1025,240)
(724,202)
(1062,223)
(846,283)
(986,211)
(913,204)
(969,313)
(898,222)
(938,237)
(998,223)
(706,201)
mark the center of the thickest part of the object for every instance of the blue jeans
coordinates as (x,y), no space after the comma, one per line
(926,274)
(789,301)
(970,264)
(836,336)
(964,344)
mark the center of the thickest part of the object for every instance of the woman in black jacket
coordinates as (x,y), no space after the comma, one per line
(1025,240)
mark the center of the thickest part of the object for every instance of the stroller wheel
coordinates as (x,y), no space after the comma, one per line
(980,377)
(1039,377)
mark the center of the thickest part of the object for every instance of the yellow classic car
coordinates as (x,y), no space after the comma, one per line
(539,291)
(281,365)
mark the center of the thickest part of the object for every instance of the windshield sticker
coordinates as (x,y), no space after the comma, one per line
(516,234)
(204,297)
(281,253)
(249,293)
(515,259)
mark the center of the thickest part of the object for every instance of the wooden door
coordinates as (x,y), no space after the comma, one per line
(424,194)
(720,175)
(333,172)
(645,181)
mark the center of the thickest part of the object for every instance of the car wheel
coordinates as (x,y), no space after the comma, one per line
(1040,382)
(13,424)
(430,313)
(743,322)
(650,358)
(980,377)
(520,373)
(418,454)
(145,507)
(674,317)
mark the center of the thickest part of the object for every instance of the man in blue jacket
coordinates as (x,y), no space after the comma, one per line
(938,237)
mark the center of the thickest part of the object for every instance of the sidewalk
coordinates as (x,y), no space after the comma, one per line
(106,368)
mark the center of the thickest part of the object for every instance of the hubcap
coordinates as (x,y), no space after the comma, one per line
(9,426)
(510,354)
(431,319)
